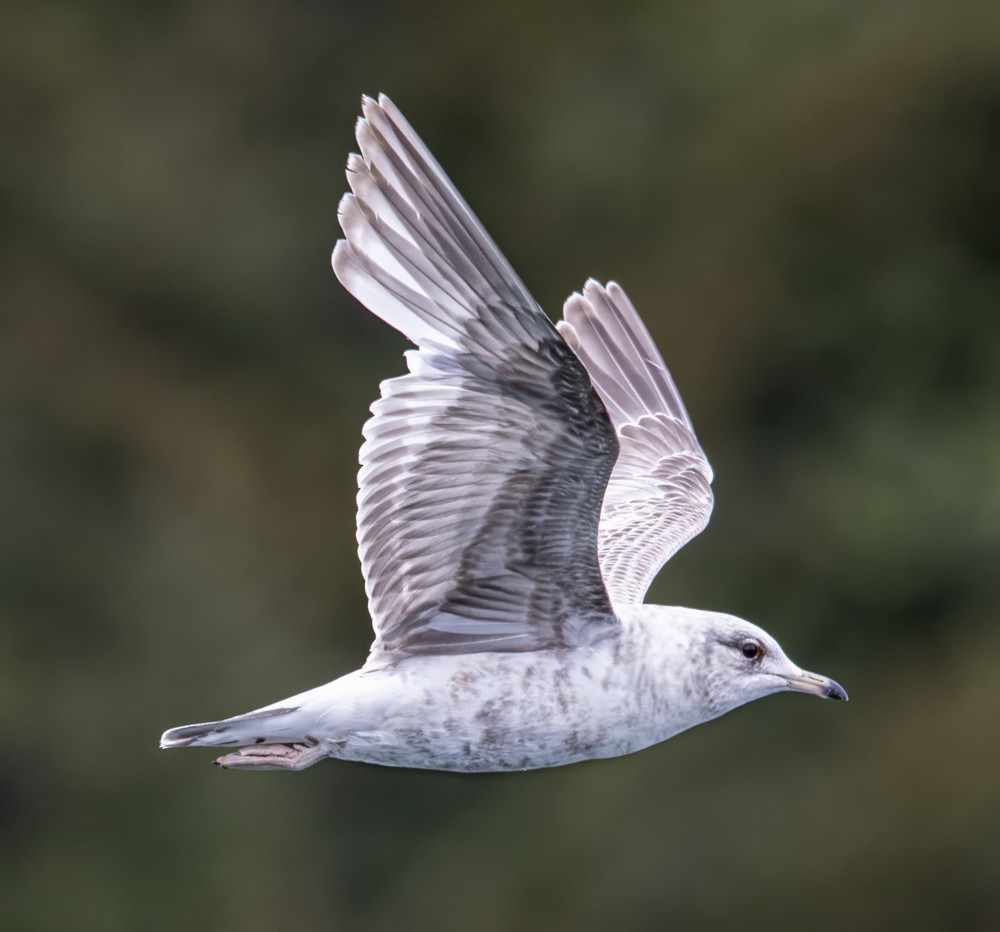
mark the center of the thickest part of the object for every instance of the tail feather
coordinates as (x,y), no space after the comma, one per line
(265,726)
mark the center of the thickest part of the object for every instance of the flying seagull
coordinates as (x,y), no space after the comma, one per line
(519,489)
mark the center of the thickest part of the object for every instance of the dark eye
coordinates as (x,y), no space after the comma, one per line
(752,650)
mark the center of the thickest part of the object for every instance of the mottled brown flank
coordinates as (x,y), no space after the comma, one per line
(461,684)
(414,739)
(577,746)
(559,683)
(495,711)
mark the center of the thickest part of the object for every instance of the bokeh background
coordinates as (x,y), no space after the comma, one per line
(802,198)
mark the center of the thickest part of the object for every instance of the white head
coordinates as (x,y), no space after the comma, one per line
(739,662)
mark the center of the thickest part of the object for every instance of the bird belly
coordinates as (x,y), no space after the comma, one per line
(496,712)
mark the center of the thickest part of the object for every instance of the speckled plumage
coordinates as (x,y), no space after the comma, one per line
(519,489)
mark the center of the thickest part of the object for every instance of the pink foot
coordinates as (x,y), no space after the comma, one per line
(272,757)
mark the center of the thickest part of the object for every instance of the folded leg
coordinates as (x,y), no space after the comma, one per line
(273,757)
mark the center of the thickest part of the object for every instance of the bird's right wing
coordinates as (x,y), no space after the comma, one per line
(659,495)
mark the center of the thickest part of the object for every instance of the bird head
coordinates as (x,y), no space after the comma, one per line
(743,663)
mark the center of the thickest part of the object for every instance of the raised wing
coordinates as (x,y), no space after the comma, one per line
(659,495)
(483,469)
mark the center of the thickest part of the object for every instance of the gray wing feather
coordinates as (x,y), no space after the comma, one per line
(659,495)
(483,469)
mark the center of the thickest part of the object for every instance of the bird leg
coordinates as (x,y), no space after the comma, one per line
(273,757)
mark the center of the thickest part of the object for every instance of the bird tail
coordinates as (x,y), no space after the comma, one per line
(264,726)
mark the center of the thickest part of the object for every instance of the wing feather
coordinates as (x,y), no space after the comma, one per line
(659,495)
(483,469)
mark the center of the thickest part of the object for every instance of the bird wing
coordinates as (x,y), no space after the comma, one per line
(659,495)
(483,469)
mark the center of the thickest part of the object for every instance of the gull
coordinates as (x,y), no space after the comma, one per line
(520,487)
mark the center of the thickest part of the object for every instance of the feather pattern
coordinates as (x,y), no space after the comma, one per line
(659,495)
(483,469)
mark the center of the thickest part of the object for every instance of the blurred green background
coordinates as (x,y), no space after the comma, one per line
(803,199)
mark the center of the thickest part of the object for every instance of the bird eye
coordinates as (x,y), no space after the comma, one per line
(752,650)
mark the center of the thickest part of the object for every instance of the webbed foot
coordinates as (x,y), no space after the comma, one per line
(272,757)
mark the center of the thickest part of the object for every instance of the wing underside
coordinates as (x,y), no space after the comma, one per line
(483,469)
(659,495)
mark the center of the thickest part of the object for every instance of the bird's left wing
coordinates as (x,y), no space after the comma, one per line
(483,469)
(659,495)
